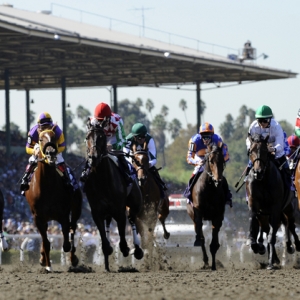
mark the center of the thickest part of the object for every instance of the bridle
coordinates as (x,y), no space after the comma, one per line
(141,180)
(93,148)
(207,169)
(49,150)
(265,163)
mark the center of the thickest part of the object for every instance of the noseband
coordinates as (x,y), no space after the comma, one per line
(208,171)
(140,166)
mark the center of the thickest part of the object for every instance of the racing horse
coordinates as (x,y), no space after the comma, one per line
(3,242)
(155,206)
(49,199)
(108,194)
(265,189)
(209,201)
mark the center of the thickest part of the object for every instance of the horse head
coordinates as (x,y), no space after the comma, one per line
(259,155)
(215,163)
(96,142)
(140,161)
(48,145)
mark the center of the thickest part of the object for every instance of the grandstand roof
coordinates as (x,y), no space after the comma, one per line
(38,49)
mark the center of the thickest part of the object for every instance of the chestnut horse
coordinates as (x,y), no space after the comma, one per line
(49,199)
(155,206)
(209,201)
(3,242)
(267,204)
(108,195)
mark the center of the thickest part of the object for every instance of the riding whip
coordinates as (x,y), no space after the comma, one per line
(241,177)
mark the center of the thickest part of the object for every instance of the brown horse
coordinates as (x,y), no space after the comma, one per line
(155,206)
(49,199)
(108,194)
(3,242)
(267,204)
(209,201)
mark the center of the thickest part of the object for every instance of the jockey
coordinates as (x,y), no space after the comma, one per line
(297,125)
(265,125)
(293,158)
(32,148)
(196,152)
(140,136)
(114,131)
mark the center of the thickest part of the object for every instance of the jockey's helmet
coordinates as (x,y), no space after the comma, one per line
(293,141)
(44,119)
(263,112)
(102,110)
(138,129)
(206,129)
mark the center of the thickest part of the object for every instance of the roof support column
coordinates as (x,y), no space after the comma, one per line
(115,109)
(198,89)
(27,111)
(7,112)
(63,102)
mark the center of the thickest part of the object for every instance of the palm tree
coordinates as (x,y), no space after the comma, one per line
(82,113)
(183,106)
(164,111)
(174,128)
(149,106)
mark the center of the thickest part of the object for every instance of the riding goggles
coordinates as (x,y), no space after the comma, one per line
(141,137)
(264,120)
(206,137)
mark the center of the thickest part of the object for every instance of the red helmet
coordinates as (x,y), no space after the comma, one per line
(102,110)
(293,141)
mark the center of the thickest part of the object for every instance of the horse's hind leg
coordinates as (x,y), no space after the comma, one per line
(75,215)
(200,240)
(45,247)
(214,245)
(163,212)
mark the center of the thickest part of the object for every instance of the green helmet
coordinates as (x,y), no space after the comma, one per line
(263,111)
(137,129)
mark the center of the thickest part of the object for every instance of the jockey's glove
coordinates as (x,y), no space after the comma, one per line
(271,149)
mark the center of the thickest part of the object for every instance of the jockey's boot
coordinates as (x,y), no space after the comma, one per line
(123,163)
(157,177)
(228,195)
(188,191)
(63,168)
(85,173)
(25,179)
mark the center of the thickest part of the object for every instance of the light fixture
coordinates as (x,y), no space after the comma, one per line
(56,36)
(263,55)
(68,105)
(32,101)
(167,54)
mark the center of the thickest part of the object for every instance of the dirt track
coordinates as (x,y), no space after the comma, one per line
(171,277)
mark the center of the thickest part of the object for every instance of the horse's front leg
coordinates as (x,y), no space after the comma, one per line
(214,245)
(200,239)
(45,247)
(273,258)
(253,231)
(3,242)
(138,252)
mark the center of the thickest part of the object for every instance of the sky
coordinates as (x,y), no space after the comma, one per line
(272,26)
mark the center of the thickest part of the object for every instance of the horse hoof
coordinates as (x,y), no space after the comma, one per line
(125,251)
(75,261)
(290,250)
(138,253)
(270,267)
(49,269)
(262,249)
(166,235)
(255,248)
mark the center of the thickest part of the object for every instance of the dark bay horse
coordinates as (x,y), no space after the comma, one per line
(3,242)
(209,201)
(155,206)
(108,195)
(267,205)
(49,199)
